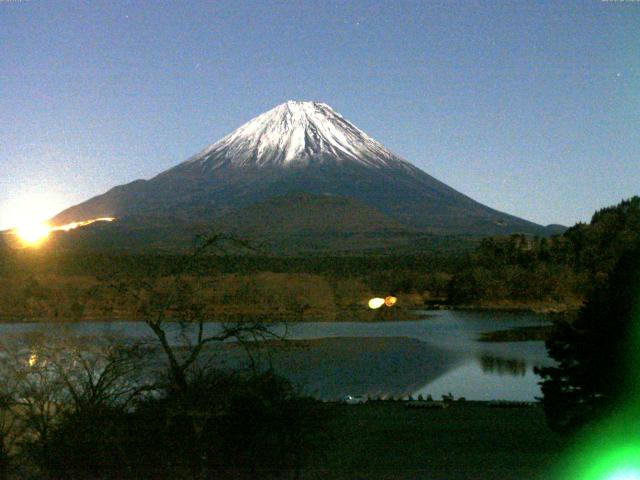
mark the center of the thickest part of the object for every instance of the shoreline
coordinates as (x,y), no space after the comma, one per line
(405,314)
(519,334)
(542,308)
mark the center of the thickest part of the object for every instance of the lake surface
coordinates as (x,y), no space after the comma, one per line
(437,354)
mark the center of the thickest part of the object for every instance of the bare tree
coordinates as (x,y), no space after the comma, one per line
(7,434)
(47,376)
(165,307)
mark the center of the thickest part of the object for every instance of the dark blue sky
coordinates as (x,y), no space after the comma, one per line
(531,108)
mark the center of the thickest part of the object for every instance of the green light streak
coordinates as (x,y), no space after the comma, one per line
(611,449)
(604,458)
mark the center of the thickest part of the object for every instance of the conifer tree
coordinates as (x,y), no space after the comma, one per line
(596,353)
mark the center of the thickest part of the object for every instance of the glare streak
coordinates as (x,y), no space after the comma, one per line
(84,223)
(33,234)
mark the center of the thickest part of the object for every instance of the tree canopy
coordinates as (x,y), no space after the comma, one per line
(597,353)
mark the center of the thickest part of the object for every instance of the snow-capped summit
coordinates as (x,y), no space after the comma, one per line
(296,132)
(301,164)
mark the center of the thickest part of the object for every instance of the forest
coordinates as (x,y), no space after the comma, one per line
(516,272)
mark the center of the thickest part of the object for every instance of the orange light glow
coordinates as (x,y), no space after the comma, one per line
(33,359)
(74,225)
(390,301)
(33,234)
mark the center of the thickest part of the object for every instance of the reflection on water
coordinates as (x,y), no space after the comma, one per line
(503,366)
(435,355)
(331,368)
(471,382)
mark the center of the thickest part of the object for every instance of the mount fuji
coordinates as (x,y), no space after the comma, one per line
(300,169)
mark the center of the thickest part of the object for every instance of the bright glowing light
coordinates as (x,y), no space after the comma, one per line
(625,474)
(32,206)
(611,450)
(32,234)
(35,233)
(376,303)
(390,301)
(619,460)
(74,225)
(33,359)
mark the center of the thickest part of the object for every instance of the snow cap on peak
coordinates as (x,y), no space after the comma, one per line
(308,103)
(302,107)
(296,132)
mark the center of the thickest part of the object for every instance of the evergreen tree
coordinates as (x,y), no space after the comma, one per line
(595,354)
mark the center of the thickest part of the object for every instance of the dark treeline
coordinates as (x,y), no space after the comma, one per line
(95,263)
(517,271)
(597,353)
(560,269)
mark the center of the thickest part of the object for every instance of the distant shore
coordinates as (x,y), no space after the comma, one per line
(522,334)
(534,307)
(361,314)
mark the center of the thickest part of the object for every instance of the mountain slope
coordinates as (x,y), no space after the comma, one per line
(300,147)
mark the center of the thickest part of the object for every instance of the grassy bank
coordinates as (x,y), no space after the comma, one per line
(225,297)
(386,440)
(269,295)
(36,286)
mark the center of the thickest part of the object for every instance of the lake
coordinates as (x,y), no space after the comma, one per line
(436,354)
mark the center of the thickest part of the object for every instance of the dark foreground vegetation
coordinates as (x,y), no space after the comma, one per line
(82,414)
(468,440)
(95,418)
(598,353)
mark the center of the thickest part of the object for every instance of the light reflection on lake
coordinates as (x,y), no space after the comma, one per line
(472,382)
(437,354)
(474,370)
